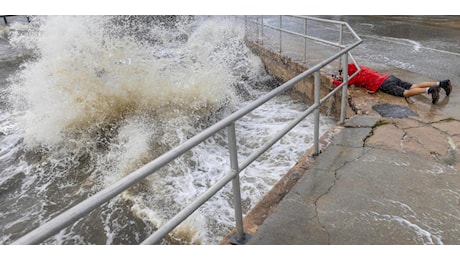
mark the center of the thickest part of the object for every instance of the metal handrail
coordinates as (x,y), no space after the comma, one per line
(305,36)
(78,211)
(6,21)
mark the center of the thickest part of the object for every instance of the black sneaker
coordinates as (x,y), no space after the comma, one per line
(445,84)
(434,91)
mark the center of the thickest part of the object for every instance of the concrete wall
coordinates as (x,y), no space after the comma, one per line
(284,69)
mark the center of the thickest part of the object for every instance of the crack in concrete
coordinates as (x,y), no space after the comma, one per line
(450,154)
(333,184)
(363,152)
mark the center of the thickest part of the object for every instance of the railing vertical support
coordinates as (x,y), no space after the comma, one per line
(317,79)
(305,41)
(345,87)
(262,23)
(281,34)
(341,36)
(246,27)
(257,28)
(240,237)
(340,44)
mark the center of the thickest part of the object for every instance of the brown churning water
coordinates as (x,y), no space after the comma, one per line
(89,99)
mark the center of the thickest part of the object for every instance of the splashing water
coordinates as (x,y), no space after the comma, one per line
(97,97)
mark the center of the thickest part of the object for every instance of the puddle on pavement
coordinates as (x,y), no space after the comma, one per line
(397,111)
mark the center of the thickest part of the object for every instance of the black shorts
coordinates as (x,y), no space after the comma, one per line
(394,86)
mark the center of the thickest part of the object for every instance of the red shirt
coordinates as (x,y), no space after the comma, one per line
(366,78)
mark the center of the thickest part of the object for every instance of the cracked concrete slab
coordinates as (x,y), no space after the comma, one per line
(404,203)
(386,181)
(379,180)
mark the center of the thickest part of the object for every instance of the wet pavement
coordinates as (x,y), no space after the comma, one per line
(381,180)
(390,174)
(416,48)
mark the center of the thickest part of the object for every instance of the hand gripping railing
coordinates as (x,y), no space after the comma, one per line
(78,211)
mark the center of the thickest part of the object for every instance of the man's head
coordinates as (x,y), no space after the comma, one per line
(337,77)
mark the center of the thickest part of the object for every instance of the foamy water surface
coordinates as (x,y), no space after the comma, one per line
(92,98)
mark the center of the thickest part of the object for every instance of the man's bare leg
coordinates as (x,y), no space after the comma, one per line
(424,87)
(419,88)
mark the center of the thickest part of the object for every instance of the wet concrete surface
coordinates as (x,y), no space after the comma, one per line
(384,177)
(381,180)
(415,48)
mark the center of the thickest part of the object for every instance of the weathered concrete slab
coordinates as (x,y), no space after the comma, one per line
(361,121)
(371,192)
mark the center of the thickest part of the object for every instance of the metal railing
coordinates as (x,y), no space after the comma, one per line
(339,31)
(307,23)
(78,211)
(5,20)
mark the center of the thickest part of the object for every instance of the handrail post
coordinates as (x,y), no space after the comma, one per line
(317,79)
(305,40)
(262,28)
(344,88)
(257,28)
(240,237)
(245,21)
(340,44)
(341,35)
(281,34)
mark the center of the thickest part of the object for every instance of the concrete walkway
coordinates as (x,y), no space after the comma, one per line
(382,179)
(390,174)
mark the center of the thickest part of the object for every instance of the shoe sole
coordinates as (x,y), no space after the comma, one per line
(448,88)
(435,96)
